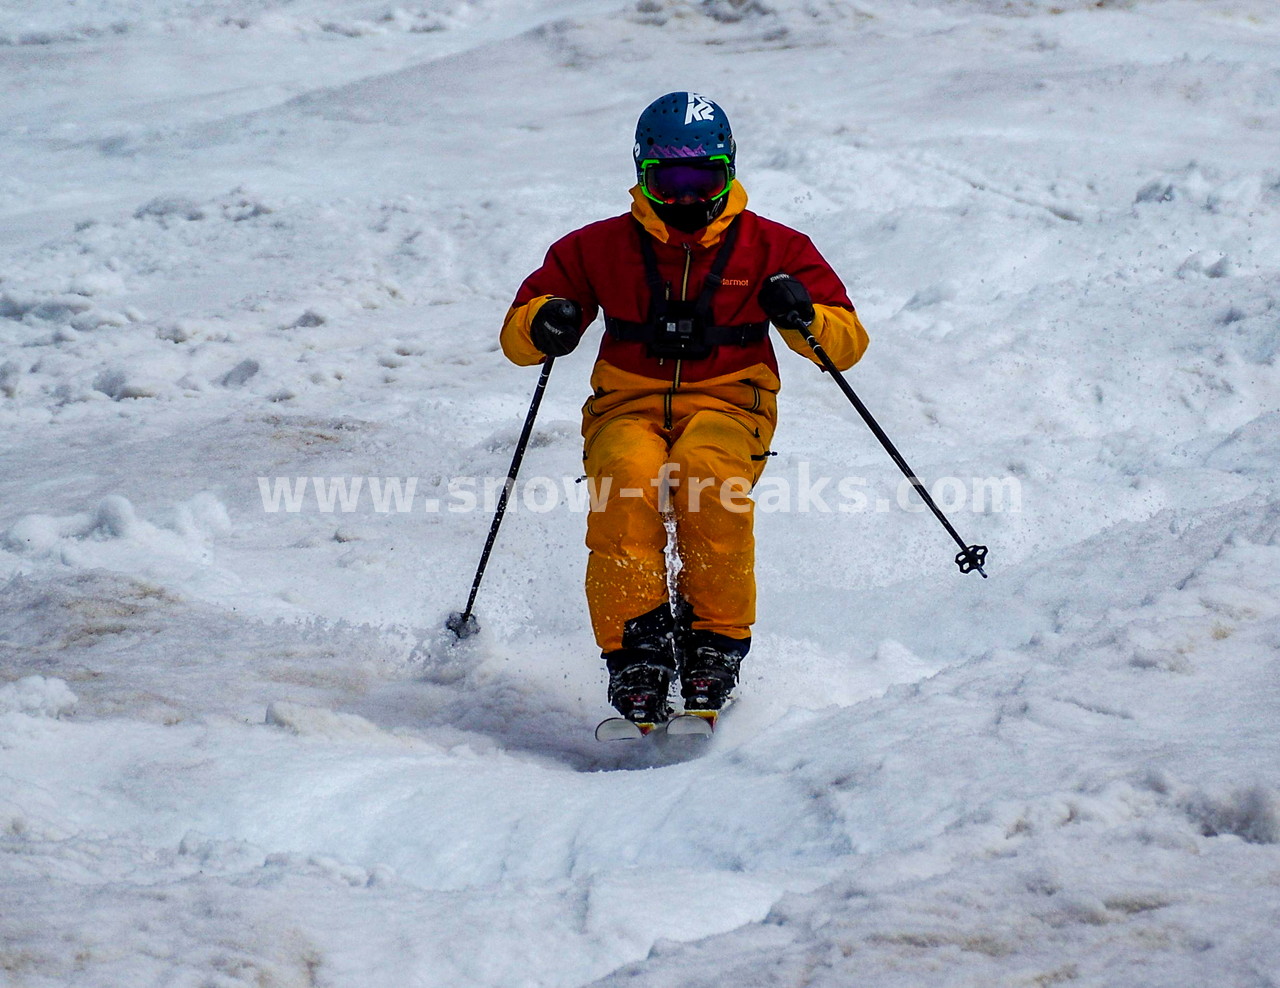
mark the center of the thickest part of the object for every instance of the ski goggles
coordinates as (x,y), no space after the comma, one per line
(671,180)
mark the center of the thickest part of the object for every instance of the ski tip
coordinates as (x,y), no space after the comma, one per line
(693,724)
(621,729)
(690,724)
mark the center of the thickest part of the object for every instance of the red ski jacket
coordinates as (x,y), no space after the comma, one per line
(601,267)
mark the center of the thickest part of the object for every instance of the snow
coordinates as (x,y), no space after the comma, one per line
(255,252)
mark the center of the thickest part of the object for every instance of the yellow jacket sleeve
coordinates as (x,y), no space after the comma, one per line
(840,332)
(515,339)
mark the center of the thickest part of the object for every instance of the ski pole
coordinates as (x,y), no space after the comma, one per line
(970,557)
(464,624)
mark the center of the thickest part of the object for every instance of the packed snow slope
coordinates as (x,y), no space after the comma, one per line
(254,249)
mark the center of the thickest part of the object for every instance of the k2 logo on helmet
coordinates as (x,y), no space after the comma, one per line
(700,109)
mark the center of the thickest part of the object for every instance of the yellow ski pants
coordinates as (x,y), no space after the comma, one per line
(686,458)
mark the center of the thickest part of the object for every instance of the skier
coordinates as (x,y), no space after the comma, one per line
(684,398)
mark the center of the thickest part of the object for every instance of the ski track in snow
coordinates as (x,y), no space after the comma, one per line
(262,239)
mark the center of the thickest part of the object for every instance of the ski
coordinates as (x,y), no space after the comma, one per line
(690,724)
(621,729)
(693,724)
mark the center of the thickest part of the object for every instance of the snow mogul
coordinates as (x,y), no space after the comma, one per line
(684,401)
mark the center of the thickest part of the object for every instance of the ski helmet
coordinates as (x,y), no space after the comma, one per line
(684,129)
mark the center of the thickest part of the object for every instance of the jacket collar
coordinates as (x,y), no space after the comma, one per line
(642,210)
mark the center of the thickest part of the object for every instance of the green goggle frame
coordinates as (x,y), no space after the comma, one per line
(648,163)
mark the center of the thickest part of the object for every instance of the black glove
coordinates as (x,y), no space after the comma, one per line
(786,302)
(554,330)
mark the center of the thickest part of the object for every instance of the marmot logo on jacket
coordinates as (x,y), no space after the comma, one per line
(737,282)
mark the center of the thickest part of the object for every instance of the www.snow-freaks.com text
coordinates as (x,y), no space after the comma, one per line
(800,494)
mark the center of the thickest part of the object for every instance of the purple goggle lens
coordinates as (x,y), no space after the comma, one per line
(672,181)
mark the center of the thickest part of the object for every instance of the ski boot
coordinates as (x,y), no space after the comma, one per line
(709,667)
(638,691)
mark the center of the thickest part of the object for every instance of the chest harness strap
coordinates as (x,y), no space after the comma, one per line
(682,329)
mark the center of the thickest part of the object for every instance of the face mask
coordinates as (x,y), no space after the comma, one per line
(692,217)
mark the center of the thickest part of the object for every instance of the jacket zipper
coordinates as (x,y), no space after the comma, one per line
(684,297)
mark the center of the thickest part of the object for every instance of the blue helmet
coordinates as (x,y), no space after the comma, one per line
(685,126)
